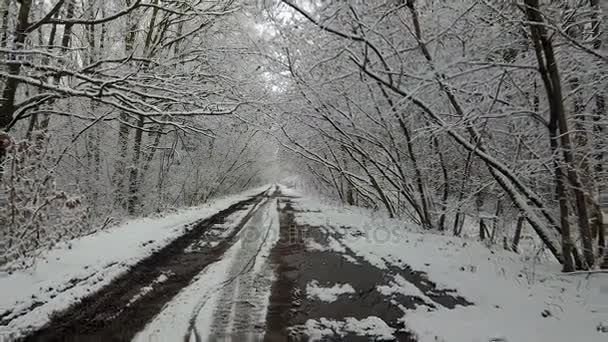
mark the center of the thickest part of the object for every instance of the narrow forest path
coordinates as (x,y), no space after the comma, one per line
(121,309)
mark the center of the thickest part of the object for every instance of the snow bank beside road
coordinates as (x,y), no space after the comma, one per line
(79,267)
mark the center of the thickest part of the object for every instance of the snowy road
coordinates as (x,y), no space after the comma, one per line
(228,299)
(279,267)
(124,307)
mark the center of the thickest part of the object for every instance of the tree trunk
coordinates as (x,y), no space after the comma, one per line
(482,225)
(446,186)
(123,130)
(7,101)
(65,44)
(4,16)
(598,128)
(134,171)
(465,178)
(496,220)
(517,237)
(549,70)
(374,182)
(148,42)
(426,216)
(562,197)
(120,165)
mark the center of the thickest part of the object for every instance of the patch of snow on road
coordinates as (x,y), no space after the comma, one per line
(371,327)
(327,294)
(333,245)
(313,245)
(147,289)
(401,286)
(350,259)
(196,247)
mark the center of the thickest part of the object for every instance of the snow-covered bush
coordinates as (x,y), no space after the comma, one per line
(33,212)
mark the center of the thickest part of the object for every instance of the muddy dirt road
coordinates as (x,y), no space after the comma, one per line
(123,308)
(243,275)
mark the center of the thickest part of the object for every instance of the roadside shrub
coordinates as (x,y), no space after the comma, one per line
(34,214)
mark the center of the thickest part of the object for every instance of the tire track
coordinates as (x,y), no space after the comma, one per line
(241,303)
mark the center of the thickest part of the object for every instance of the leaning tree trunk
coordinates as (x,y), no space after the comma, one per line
(425,217)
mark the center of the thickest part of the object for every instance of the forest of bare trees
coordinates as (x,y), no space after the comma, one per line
(442,113)
(126,107)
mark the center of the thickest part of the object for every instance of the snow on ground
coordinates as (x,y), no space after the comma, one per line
(197,304)
(370,327)
(513,298)
(79,267)
(327,294)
